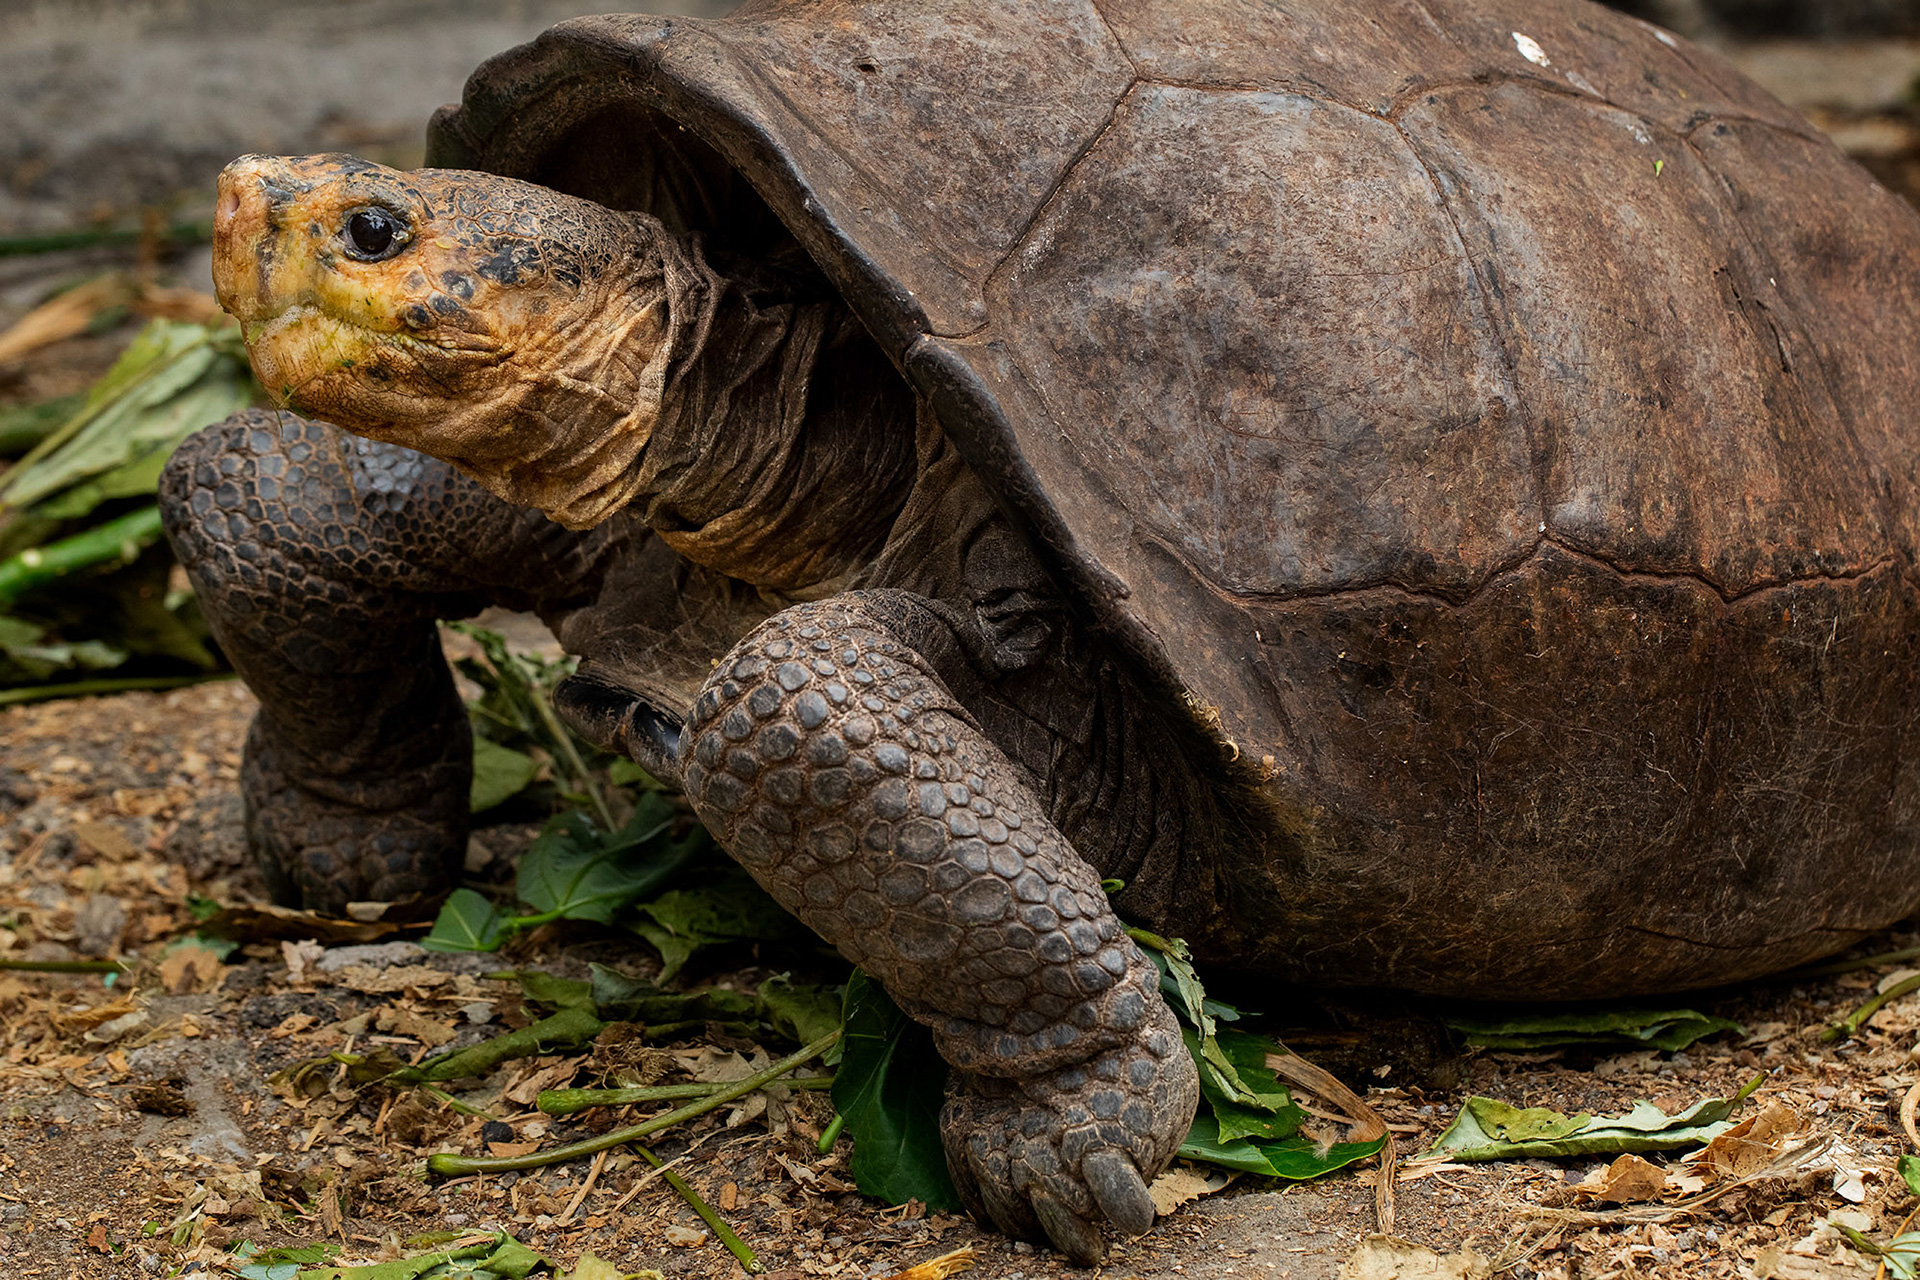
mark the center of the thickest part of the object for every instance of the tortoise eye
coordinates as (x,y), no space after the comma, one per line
(374,234)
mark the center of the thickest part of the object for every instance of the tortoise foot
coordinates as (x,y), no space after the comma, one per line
(322,851)
(1046,1157)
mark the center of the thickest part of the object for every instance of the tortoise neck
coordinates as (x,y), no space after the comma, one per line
(784,446)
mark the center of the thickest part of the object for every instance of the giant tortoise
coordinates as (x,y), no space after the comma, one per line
(1422,491)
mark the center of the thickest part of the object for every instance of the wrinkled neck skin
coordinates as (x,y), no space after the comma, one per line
(783,451)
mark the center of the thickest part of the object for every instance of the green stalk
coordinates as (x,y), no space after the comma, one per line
(1858,1018)
(1849,966)
(568,1028)
(94,237)
(92,688)
(735,1245)
(463,1108)
(832,1135)
(446,1165)
(63,966)
(119,539)
(566,1102)
(543,707)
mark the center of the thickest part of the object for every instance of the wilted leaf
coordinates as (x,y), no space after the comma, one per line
(592,1268)
(1489,1130)
(1630,1178)
(1177,1186)
(1180,984)
(467,921)
(27,654)
(1381,1257)
(889,1088)
(23,426)
(1752,1144)
(1909,1167)
(567,1029)
(1665,1029)
(274,924)
(499,773)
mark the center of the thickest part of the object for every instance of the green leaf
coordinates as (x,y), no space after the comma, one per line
(23,426)
(173,379)
(889,1088)
(1294,1158)
(592,1268)
(1665,1029)
(501,1257)
(27,655)
(1487,1129)
(802,1012)
(625,772)
(543,988)
(498,774)
(572,871)
(467,922)
(1267,1111)
(400,1268)
(568,1029)
(1180,984)
(682,922)
(1909,1167)
(1902,1255)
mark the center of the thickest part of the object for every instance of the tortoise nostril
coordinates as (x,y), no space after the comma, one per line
(228,207)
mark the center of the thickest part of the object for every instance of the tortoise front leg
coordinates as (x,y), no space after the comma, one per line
(829,757)
(322,561)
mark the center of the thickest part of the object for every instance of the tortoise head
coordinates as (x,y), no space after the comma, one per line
(521,334)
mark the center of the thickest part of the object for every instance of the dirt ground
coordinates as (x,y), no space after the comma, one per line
(142,1130)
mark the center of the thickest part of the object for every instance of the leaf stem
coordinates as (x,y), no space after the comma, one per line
(735,1245)
(1849,966)
(117,539)
(543,707)
(463,1108)
(566,1102)
(90,237)
(447,1165)
(93,688)
(832,1135)
(63,966)
(1858,1018)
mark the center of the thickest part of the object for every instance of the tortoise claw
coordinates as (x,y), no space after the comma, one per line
(1119,1191)
(1071,1234)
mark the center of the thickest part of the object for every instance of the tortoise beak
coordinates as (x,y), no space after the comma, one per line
(250,189)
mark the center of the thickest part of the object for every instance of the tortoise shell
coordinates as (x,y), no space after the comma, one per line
(1495,419)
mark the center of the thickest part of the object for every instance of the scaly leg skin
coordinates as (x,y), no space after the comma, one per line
(321,562)
(831,760)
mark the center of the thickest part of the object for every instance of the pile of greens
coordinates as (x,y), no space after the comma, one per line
(84,571)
